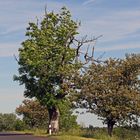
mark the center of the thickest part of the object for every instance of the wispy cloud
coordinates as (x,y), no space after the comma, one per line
(118,47)
(88,2)
(11,30)
(114,26)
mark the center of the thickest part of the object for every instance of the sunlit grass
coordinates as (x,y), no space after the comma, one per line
(84,134)
(68,137)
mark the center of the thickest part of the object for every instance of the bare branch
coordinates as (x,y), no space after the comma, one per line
(45,10)
(37,21)
(46,15)
(92,55)
(70,38)
(85,56)
(84,40)
(101,56)
(79,43)
(16,58)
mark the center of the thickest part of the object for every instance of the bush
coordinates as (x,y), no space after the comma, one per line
(19,125)
(9,122)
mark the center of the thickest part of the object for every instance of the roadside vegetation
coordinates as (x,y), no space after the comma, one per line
(9,122)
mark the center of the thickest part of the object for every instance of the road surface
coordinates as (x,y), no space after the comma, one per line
(15,136)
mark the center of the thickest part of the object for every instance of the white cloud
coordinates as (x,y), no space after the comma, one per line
(88,2)
(9,49)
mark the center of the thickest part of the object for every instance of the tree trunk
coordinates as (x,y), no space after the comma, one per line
(110,125)
(54,115)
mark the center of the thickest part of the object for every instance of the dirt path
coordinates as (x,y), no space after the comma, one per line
(14,136)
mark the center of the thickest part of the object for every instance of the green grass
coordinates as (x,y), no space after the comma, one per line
(95,134)
(118,134)
(100,134)
(68,137)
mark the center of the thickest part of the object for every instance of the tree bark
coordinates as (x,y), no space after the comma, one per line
(54,115)
(110,125)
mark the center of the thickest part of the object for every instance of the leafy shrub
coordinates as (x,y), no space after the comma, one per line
(10,122)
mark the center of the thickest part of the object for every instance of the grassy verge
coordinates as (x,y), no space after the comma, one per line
(68,137)
(87,134)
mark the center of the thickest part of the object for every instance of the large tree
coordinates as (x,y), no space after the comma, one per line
(111,89)
(49,61)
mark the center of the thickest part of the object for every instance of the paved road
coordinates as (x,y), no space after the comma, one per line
(14,136)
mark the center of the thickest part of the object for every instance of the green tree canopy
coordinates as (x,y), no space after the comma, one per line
(48,61)
(67,119)
(46,58)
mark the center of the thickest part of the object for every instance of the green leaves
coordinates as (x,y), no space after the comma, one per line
(46,59)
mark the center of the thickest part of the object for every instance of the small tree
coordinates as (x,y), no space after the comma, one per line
(112,89)
(34,114)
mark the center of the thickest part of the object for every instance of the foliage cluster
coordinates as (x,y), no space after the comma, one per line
(111,90)
(46,61)
(9,122)
(36,116)
(67,119)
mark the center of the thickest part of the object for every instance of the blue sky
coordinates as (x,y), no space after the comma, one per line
(117,20)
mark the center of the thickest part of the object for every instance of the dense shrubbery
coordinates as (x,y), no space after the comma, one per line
(36,116)
(67,119)
(10,122)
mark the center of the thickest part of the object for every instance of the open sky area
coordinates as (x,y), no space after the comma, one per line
(117,20)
